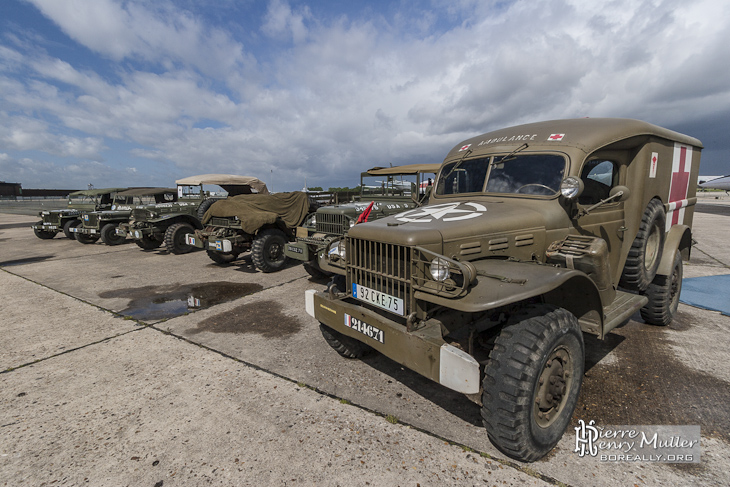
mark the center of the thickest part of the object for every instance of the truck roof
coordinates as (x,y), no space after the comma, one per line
(586,134)
(405,169)
(224,179)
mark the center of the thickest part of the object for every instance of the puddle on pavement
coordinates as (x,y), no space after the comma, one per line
(262,317)
(27,260)
(648,384)
(160,302)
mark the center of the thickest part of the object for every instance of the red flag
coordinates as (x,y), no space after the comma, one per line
(365,214)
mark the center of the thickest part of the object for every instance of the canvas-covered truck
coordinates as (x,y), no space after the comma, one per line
(533,235)
(168,223)
(55,221)
(261,223)
(103,224)
(390,190)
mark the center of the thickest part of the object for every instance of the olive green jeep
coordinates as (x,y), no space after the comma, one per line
(261,223)
(533,235)
(103,224)
(168,223)
(55,221)
(389,190)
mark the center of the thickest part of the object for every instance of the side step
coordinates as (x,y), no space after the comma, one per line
(623,306)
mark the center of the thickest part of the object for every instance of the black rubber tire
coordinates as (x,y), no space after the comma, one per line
(267,250)
(148,243)
(175,238)
(646,249)
(86,239)
(109,235)
(663,294)
(541,343)
(68,226)
(346,346)
(220,257)
(204,207)
(42,234)
(313,269)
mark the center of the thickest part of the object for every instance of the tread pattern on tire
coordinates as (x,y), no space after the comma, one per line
(204,207)
(635,276)
(344,345)
(171,234)
(67,228)
(661,308)
(109,235)
(259,250)
(514,366)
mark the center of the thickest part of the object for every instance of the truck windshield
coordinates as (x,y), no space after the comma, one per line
(535,174)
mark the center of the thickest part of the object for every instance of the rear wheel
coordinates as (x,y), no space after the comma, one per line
(267,250)
(68,226)
(109,235)
(346,346)
(43,234)
(532,381)
(175,238)
(148,243)
(646,249)
(663,294)
(86,239)
(220,257)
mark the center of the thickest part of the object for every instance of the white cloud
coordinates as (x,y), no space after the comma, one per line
(338,95)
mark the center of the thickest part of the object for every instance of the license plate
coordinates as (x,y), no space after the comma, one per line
(381,300)
(367,330)
(295,250)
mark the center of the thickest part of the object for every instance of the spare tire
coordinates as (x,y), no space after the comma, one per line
(204,207)
(646,250)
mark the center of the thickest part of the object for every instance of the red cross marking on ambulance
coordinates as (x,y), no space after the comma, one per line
(681,167)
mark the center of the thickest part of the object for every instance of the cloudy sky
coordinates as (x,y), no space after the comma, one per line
(143,92)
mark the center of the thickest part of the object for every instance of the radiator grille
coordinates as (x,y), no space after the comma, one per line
(382,267)
(91,220)
(139,214)
(332,223)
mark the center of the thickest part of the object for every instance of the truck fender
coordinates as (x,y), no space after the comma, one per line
(503,282)
(679,238)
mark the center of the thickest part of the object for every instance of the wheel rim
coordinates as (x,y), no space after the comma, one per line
(652,247)
(674,288)
(275,251)
(553,387)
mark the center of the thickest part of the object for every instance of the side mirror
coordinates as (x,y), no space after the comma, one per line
(614,196)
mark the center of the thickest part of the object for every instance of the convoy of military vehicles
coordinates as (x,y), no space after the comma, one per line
(483,277)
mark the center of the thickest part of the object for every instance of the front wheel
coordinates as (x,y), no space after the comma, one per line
(148,243)
(109,235)
(663,294)
(68,226)
(220,257)
(43,234)
(532,381)
(267,250)
(346,346)
(86,239)
(175,238)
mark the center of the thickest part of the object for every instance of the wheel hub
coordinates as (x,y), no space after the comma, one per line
(552,385)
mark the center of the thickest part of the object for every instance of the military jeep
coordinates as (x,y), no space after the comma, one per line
(168,223)
(533,235)
(261,223)
(390,190)
(55,221)
(103,224)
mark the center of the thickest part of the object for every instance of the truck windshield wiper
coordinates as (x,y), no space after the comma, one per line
(468,151)
(510,156)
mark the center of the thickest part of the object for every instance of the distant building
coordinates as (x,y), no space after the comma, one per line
(10,190)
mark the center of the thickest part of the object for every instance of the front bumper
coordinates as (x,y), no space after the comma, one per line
(46,227)
(218,245)
(299,251)
(83,230)
(424,351)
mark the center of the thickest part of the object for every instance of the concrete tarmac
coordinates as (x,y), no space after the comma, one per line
(128,367)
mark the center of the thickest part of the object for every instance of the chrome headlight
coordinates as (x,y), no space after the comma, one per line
(338,249)
(571,187)
(313,221)
(440,269)
(352,223)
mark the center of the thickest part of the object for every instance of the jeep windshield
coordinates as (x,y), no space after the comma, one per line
(529,174)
